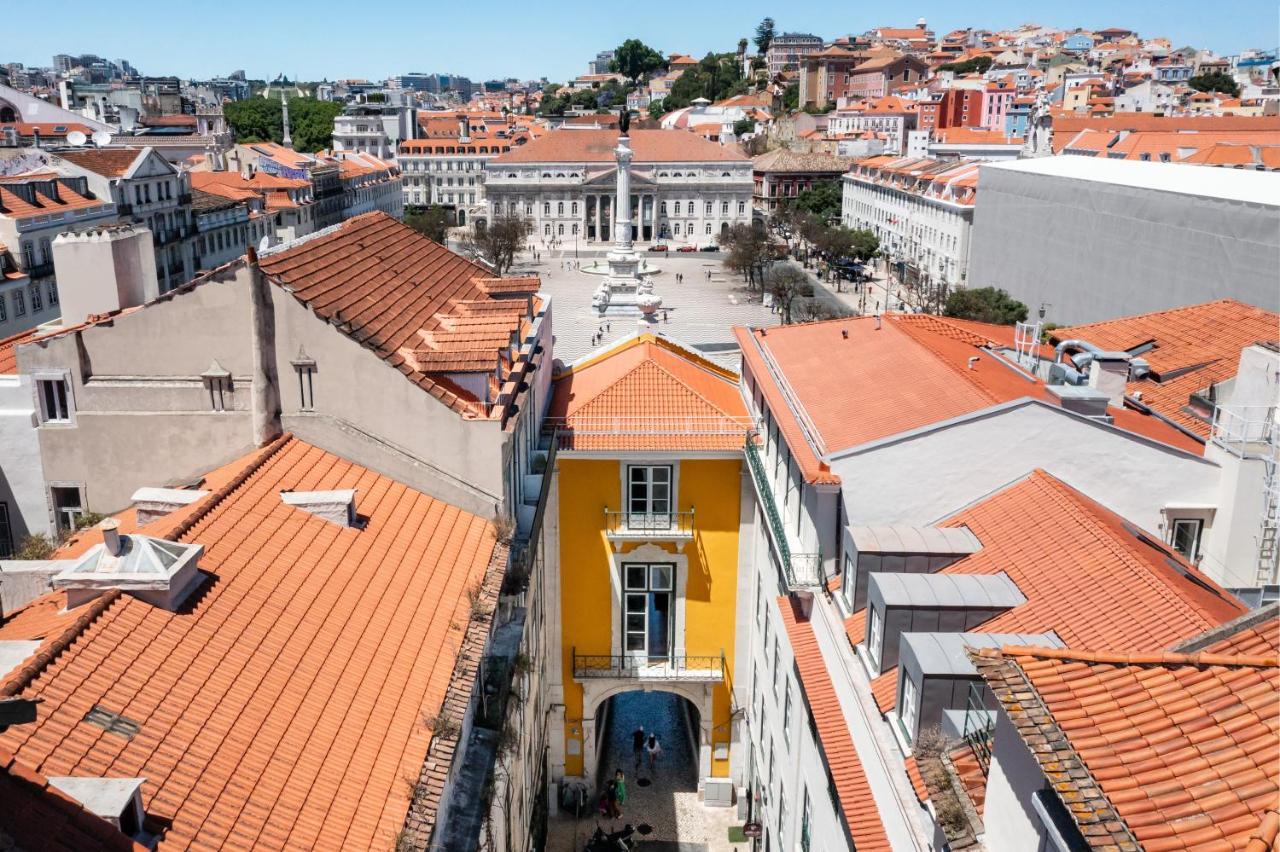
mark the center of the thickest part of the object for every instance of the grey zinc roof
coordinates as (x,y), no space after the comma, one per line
(977,591)
(903,538)
(944,653)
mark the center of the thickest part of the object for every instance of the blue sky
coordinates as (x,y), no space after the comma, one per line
(508,38)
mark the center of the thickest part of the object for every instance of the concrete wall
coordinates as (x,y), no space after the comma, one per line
(21,482)
(1008,815)
(923,478)
(1093,251)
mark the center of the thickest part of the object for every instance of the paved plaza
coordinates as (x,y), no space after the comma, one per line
(700,313)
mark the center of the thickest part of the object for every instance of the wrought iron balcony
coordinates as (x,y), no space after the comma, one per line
(40,270)
(702,669)
(648,526)
(979,726)
(804,570)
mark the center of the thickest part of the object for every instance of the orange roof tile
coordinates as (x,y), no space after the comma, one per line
(1087,574)
(385,285)
(648,393)
(9,350)
(1197,345)
(857,803)
(14,206)
(108,162)
(1159,751)
(258,724)
(597,146)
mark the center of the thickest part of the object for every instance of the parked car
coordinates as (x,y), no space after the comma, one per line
(710,248)
(687,248)
(657,248)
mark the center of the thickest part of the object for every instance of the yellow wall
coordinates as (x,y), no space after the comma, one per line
(711,487)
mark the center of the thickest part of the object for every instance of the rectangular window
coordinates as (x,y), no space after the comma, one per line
(54,407)
(786,716)
(6,532)
(777,667)
(875,633)
(782,814)
(806,823)
(649,490)
(4,312)
(1186,537)
(709,208)
(19,303)
(37,302)
(909,707)
(648,612)
(67,507)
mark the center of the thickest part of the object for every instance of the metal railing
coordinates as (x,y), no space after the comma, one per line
(705,667)
(39,270)
(648,524)
(659,426)
(1245,430)
(804,570)
(979,724)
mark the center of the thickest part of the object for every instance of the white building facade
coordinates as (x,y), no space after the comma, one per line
(685,190)
(921,210)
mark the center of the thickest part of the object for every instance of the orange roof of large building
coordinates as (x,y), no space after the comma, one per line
(648,392)
(1087,574)
(108,162)
(597,146)
(282,704)
(398,293)
(1194,347)
(854,792)
(39,816)
(1156,751)
(834,372)
(46,199)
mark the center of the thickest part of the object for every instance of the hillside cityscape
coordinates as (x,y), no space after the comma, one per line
(835,441)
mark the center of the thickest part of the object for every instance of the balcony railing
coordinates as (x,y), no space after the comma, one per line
(804,570)
(1247,431)
(704,669)
(40,270)
(979,725)
(648,525)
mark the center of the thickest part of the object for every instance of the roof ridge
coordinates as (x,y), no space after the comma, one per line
(215,499)
(1153,658)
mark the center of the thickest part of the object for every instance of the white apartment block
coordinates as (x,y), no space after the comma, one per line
(921,209)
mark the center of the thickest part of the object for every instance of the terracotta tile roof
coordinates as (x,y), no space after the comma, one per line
(386,286)
(38,817)
(596,146)
(1254,634)
(857,803)
(1199,343)
(282,705)
(14,206)
(9,350)
(1155,751)
(108,162)
(829,375)
(1087,574)
(47,129)
(786,160)
(648,393)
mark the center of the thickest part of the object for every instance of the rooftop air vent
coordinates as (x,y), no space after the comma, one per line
(117,800)
(155,570)
(152,503)
(338,507)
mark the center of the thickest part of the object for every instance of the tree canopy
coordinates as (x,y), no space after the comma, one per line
(764,35)
(716,77)
(261,120)
(791,97)
(1215,81)
(432,222)
(978,64)
(498,243)
(822,200)
(634,59)
(985,304)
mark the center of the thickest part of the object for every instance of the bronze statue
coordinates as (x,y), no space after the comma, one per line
(624,122)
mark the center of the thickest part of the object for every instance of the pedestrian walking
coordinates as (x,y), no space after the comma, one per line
(611,797)
(637,745)
(654,749)
(620,790)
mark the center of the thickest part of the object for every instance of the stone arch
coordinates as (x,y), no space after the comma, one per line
(596,692)
(8,113)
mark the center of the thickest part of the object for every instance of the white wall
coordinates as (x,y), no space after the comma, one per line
(21,479)
(1008,815)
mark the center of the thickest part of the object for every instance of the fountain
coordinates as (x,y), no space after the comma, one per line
(625,291)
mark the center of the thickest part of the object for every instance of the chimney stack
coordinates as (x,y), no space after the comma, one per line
(1109,374)
(111,536)
(464,128)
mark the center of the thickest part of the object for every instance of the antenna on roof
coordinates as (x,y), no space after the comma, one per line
(101,138)
(76,138)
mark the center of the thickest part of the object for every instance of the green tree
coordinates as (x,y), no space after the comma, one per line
(553,106)
(311,123)
(822,200)
(584,99)
(791,97)
(657,109)
(634,59)
(1215,81)
(432,222)
(498,243)
(716,77)
(985,304)
(787,283)
(261,120)
(978,64)
(743,126)
(764,36)
(749,251)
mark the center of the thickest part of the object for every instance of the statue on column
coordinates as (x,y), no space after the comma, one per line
(624,122)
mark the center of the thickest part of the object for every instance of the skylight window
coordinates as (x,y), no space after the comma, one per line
(112,722)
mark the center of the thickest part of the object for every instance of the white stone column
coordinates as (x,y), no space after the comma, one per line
(622,220)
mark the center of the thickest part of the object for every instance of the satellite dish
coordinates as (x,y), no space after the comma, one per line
(101,138)
(76,138)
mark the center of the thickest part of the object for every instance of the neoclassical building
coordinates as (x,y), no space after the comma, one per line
(685,189)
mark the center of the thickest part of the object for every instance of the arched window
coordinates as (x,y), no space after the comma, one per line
(560,208)
(573,209)
(546,208)
(560,230)
(677,208)
(676,228)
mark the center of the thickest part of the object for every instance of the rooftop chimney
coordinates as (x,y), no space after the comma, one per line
(1109,374)
(111,536)
(104,270)
(464,128)
(338,507)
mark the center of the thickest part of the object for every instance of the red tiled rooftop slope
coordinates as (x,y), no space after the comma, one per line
(1206,337)
(856,799)
(108,162)
(1085,572)
(597,146)
(385,285)
(283,705)
(839,380)
(41,818)
(1184,748)
(648,393)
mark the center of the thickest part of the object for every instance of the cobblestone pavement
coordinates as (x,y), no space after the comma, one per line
(669,803)
(700,313)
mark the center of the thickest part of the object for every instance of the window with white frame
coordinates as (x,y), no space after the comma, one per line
(910,705)
(786,715)
(55,400)
(806,823)
(1185,536)
(782,813)
(19,303)
(649,490)
(777,667)
(875,633)
(37,302)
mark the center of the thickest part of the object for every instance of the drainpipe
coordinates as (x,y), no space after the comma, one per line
(266,383)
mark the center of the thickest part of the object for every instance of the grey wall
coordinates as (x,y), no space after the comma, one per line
(902,619)
(895,563)
(1095,251)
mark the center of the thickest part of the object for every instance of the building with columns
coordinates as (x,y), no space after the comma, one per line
(684,189)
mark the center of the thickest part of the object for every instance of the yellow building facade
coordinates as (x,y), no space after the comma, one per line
(646,540)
